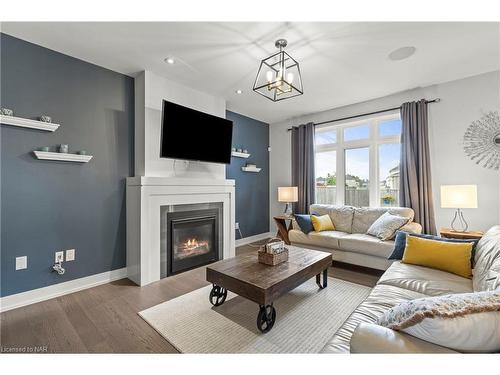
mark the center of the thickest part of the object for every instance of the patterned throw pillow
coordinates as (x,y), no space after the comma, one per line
(386,225)
(467,322)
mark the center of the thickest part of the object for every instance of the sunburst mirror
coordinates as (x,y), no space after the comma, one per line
(482,141)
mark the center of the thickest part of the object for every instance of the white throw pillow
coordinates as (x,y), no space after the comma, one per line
(386,225)
(466,322)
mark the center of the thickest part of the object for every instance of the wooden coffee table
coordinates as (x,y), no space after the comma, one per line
(263,284)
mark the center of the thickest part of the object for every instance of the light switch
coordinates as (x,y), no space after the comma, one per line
(21,263)
(70,255)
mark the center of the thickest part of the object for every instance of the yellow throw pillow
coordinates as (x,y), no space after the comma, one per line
(452,257)
(321,223)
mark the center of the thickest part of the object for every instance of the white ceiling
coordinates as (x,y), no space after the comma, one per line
(341,63)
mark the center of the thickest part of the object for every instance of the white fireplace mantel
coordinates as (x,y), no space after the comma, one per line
(145,196)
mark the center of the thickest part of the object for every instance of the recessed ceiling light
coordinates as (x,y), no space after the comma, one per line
(238,92)
(169,60)
(402,53)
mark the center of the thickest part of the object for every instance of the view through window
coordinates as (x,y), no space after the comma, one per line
(358,163)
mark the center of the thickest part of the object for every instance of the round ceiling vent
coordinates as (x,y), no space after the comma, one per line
(402,53)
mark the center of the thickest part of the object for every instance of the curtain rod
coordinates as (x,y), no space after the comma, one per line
(437,100)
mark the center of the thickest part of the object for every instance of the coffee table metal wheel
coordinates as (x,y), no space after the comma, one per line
(218,295)
(266,318)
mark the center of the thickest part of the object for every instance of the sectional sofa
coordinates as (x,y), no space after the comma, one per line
(403,282)
(349,242)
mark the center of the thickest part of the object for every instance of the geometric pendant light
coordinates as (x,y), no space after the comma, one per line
(279,76)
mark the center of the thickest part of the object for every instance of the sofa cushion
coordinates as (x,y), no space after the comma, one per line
(487,261)
(328,239)
(304,222)
(400,242)
(381,298)
(341,215)
(322,223)
(366,244)
(386,226)
(364,217)
(427,281)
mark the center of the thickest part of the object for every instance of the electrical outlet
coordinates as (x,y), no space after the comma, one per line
(21,263)
(237,226)
(59,257)
(70,255)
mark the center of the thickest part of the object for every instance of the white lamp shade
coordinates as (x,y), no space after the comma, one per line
(288,194)
(458,196)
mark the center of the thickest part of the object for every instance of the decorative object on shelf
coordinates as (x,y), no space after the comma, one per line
(287,195)
(245,151)
(58,156)
(273,252)
(279,75)
(239,150)
(482,141)
(27,123)
(44,148)
(7,112)
(63,149)
(82,152)
(233,149)
(459,196)
(45,118)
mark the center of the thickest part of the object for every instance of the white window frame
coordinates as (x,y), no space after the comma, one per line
(373,143)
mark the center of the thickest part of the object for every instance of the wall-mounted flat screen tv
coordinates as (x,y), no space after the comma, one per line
(193,135)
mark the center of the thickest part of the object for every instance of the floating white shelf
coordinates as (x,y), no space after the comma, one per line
(43,155)
(251,169)
(240,154)
(27,123)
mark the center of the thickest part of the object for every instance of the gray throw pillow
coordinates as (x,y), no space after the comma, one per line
(386,225)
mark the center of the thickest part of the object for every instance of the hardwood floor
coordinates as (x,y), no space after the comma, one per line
(104,319)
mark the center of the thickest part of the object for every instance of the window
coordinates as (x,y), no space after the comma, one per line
(362,158)
(353,133)
(357,177)
(326,176)
(388,166)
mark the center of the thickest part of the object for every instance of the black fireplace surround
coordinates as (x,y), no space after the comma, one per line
(192,239)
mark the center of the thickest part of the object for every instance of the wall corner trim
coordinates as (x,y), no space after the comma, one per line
(56,290)
(257,237)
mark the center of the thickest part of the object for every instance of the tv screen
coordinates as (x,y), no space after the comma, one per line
(193,135)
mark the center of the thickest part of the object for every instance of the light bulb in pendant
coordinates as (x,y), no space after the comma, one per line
(289,77)
(269,76)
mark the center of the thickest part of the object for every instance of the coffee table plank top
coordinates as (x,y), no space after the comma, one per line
(262,283)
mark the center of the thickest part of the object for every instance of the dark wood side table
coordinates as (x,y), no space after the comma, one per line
(471,235)
(283,227)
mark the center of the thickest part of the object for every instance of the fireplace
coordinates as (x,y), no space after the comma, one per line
(192,239)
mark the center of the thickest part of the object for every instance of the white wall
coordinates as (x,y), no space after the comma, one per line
(462,102)
(150,90)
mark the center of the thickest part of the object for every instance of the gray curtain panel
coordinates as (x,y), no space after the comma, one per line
(415,185)
(303,165)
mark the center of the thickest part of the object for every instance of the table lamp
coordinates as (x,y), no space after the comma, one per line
(459,196)
(288,194)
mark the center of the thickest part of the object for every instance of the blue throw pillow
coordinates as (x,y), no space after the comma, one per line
(400,243)
(304,222)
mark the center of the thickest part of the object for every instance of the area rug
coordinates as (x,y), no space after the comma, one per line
(306,318)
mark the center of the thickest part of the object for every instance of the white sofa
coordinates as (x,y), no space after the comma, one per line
(349,242)
(404,282)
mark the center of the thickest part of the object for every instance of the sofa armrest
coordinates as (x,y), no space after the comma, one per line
(372,338)
(412,228)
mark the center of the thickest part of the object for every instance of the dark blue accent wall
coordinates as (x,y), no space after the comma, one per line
(252,189)
(49,206)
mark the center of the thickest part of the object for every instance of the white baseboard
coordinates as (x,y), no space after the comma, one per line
(41,294)
(257,237)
